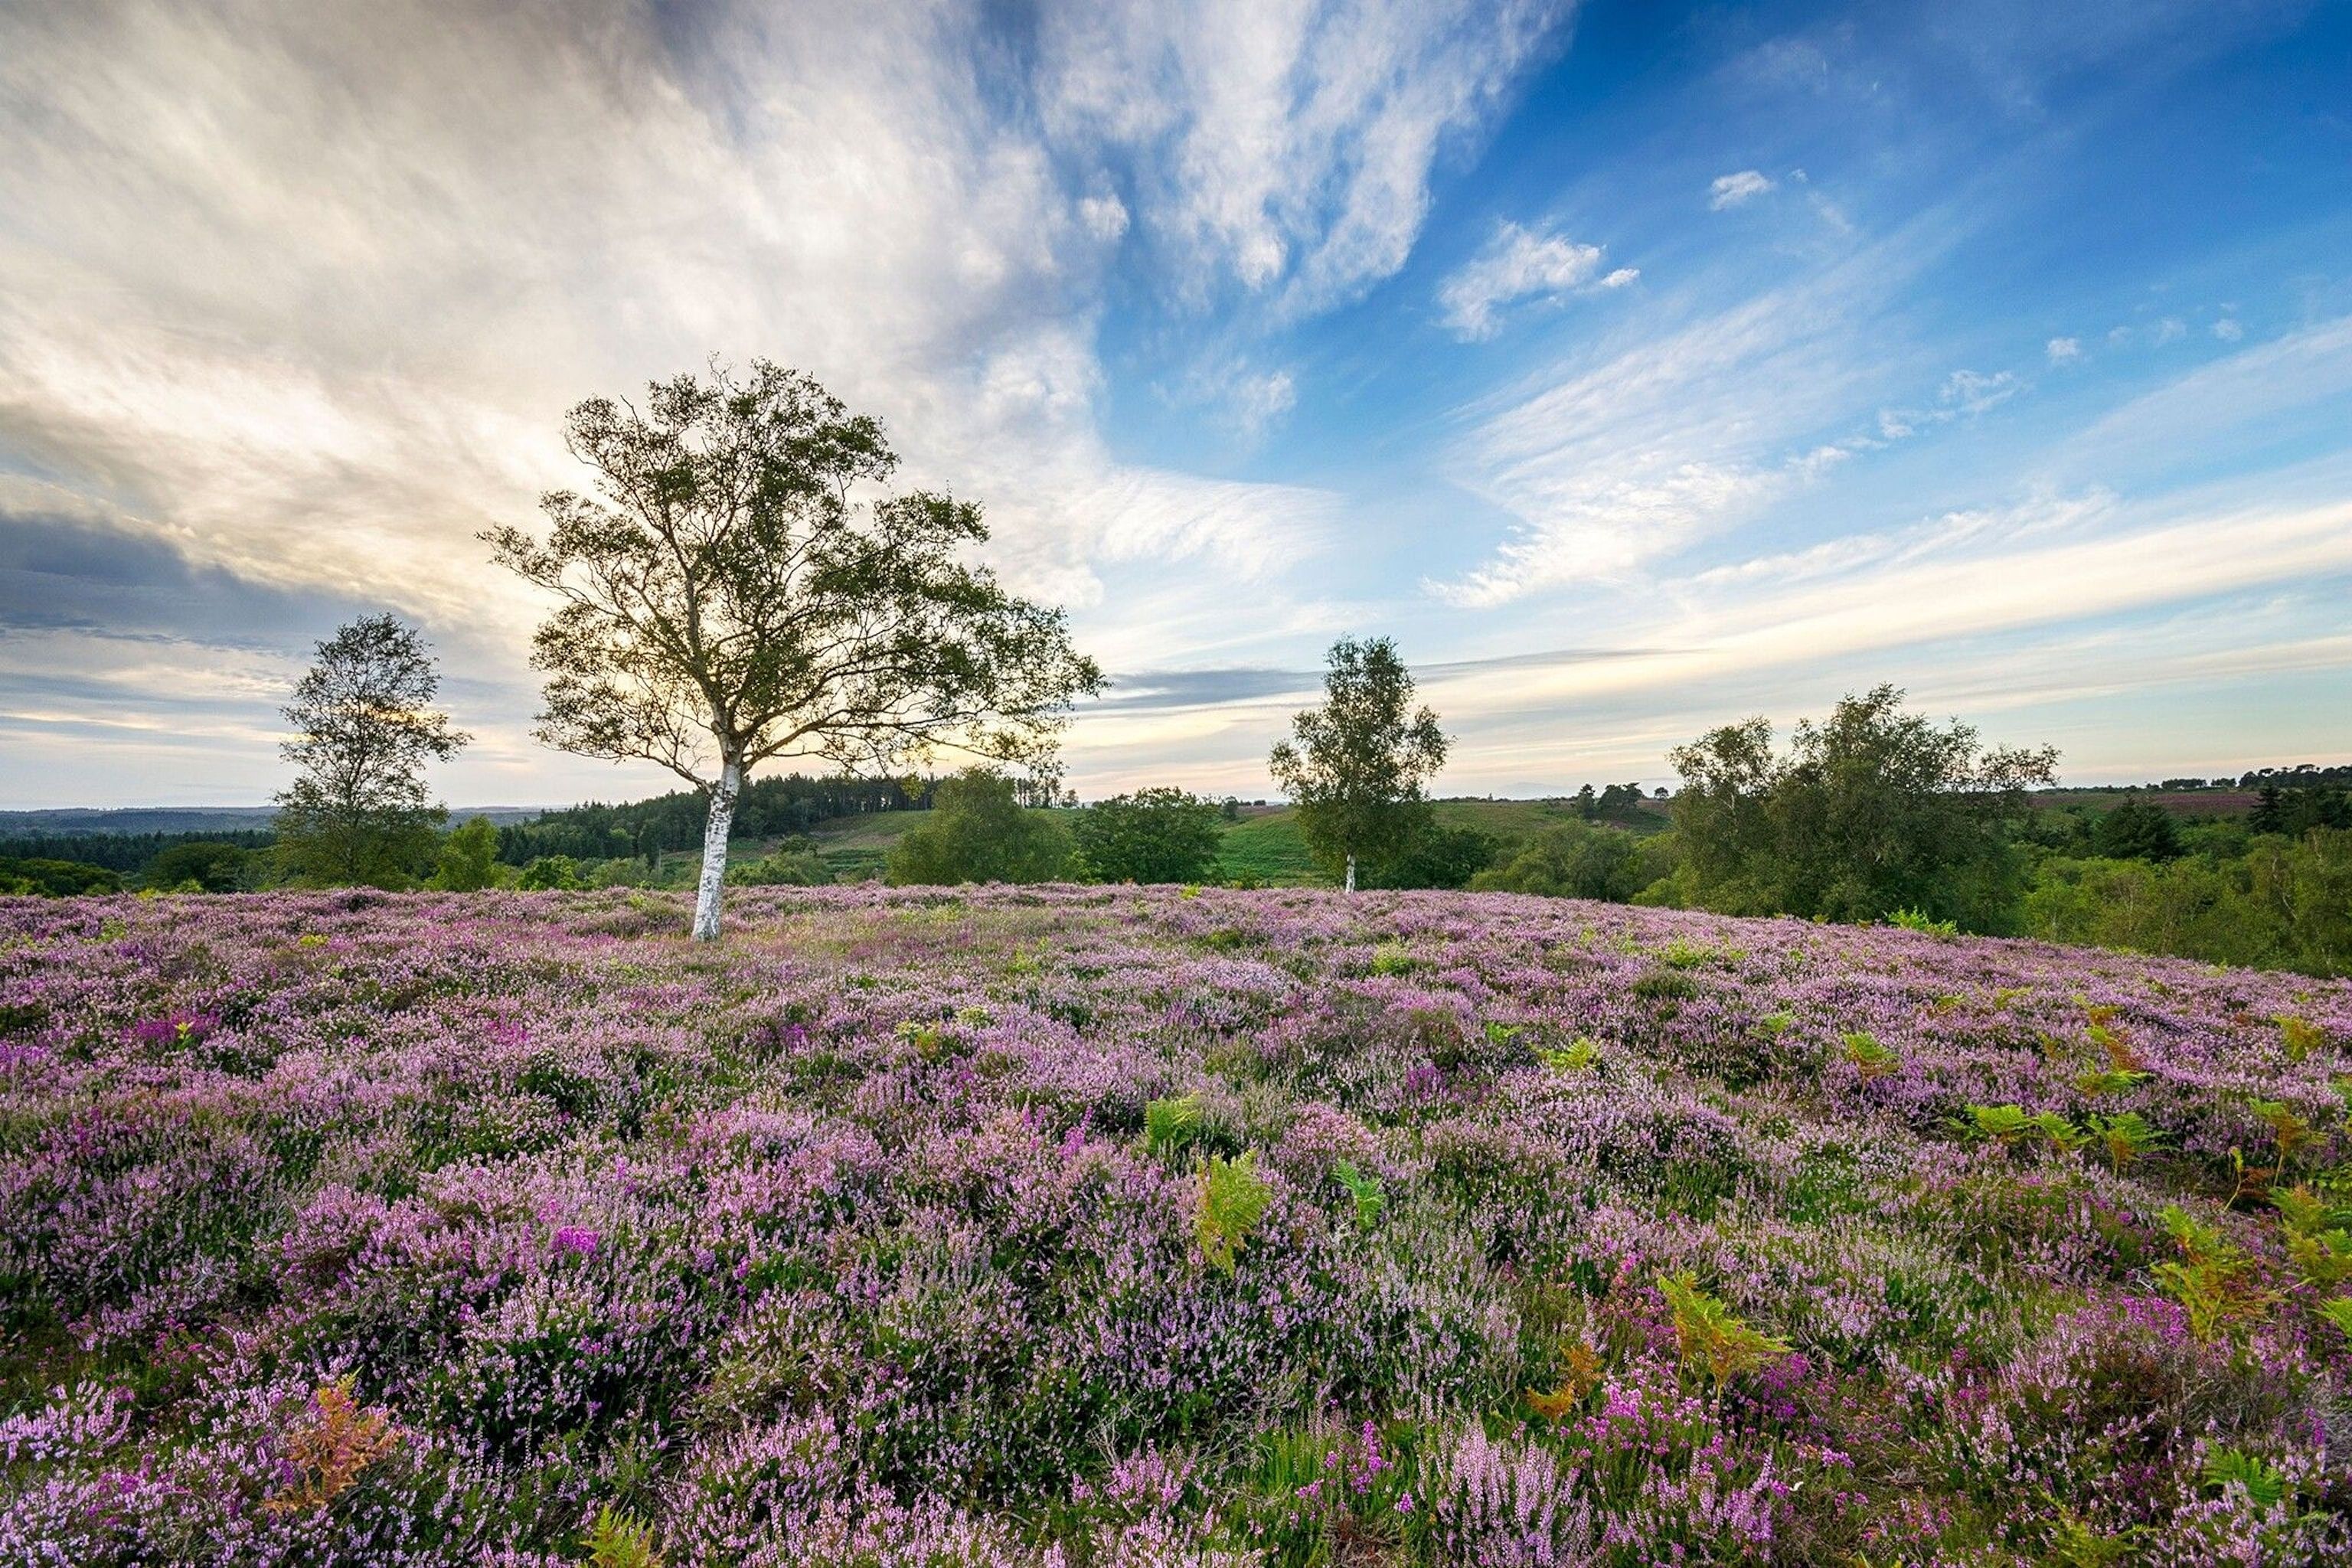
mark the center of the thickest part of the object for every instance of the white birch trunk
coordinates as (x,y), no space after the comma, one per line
(714,852)
(1351,873)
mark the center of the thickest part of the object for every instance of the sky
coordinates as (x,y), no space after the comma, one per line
(1638,367)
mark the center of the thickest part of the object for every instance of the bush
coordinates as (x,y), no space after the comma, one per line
(549,873)
(55,879)
(792,864)
(211,866)
(979,832)
(1151,836)
(1578,860)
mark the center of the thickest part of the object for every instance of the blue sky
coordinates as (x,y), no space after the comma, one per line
(1638,367)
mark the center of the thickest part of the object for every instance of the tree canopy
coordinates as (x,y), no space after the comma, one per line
(738,588)
(1150,836)
(1355,766)
(1873,810)
(358,810)
(979,832)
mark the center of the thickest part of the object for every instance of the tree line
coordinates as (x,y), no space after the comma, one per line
(737,587)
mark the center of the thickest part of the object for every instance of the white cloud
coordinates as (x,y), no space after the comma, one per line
(1970,392)
(2170,329)
(2228,330)
(1105,216)
(304,294)
(1731,190)
(1519,264)
(2064,351)
(1286,146)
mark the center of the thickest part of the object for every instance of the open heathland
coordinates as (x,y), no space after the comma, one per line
(1105,1226)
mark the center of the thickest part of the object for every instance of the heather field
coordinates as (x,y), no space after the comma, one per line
(1098,1225)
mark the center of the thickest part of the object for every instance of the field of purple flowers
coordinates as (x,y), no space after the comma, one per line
(1107,1227)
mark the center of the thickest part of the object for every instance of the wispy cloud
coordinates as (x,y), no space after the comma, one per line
(2063,351)
(1518,265)
(1287,148)
(1732,190)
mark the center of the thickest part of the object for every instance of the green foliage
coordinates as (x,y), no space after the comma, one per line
(2264,1482)
(1355,765)
(2284,904)
(1578,860)
(1392,958)
(1230,1198)
(468,859)
(549,873)
(1172,1123)
(214,866)
(792,864)
(1870,1059)
(1710,1337)
(1150,836)
(55,879)
(1873,810)
(2138,830)
(2213,1279)
(979,832)
(2339,1312)
(1432,856)
(357,811)
(2004,1124)
(2125,1137)
(618,1540)
(1915,919)
(1370,1198)
(1577,1056)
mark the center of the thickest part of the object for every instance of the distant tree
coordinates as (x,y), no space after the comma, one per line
(1434,856)
(979,832)
(2138,830)
(468,859)
(1231,810)
(725,599)
(1574,860)
(550,873)
(358,811)
(41,877)
(211,866)
(1150,836)
(1355,765)
(2269,814)
(1875,810)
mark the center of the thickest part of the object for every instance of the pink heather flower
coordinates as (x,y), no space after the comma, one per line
(576,1239)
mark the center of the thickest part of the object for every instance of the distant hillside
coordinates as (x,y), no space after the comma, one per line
(178,819)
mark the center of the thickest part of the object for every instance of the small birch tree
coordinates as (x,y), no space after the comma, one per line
(1356,764)
(358,810)
(729,594)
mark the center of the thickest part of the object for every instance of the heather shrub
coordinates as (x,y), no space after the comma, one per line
(1088,1227)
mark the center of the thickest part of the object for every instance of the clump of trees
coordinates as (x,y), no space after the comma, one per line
(978,831)
(1150,836)
(1578,860)
(1872,810)
(358,810)
(727,595)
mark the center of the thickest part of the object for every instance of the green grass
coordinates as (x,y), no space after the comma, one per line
(1264,846)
